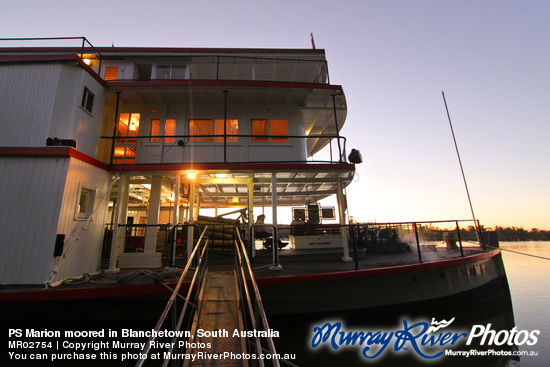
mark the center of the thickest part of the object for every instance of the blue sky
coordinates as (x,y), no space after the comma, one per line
(393,59)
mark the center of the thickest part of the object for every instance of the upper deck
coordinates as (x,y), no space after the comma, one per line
(223,105)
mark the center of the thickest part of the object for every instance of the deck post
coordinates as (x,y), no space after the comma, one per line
(120,216)
(191,217)
(275,246)
(342,214)
(250,188)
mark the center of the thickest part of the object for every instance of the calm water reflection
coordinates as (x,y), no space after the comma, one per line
(529,284)
(529,280)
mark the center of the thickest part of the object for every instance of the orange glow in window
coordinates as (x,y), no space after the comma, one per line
(232,129)
(260,127)
(200,127)
(279,127)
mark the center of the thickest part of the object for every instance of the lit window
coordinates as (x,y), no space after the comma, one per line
(232,128)
(169,130)
(260,127)
(87,100)
(85,203)
(125,144)
(155,130)
(263,129)
(279,128)
(200,127)
(111,73)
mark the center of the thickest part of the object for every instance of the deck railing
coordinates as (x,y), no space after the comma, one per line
(175,67)
(254,316)
(199,256)
(420,238)
(177,149)
(80,46)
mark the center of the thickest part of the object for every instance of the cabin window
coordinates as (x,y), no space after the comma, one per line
(279,128)
(155,130)
(87,100)
(208,128)
(125,143)
(232,128)
(169,130)
(85,203)
(262,129)
(111,73)
(172,72)
(200,127)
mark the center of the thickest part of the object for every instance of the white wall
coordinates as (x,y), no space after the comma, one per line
(27,99)
(85,256)
(30,198)
(42,100)
(243,151)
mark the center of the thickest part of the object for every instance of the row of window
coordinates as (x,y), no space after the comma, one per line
(205,130)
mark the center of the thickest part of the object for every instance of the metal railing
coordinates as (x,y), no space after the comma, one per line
(136,233)
(219,67)
(200,255)
(80,46)
(254,316)
(176,67)
(177,149)
(419,239)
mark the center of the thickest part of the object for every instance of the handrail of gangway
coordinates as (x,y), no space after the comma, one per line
(174,240)
(274,246)
(259,316)
(147,348)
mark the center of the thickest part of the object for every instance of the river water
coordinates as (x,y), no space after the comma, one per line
(529,280)
(527,309)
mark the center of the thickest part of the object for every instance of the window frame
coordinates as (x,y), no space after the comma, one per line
(87,102)
(111,73)
(90,197)
(268,136)
(215,124)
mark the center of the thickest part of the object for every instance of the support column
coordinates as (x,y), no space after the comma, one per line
(153,216)
(275,246)
(175,216)
(250,188)
(191,217)
(342,215)
(120,217)
(150,258)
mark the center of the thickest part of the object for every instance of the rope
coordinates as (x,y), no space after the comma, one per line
(522,253)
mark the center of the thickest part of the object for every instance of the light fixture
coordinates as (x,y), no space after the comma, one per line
(191,175)
(87,61)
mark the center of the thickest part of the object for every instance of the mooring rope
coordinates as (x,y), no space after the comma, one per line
(522,253)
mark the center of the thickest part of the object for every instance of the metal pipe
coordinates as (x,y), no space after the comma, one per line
(225,126)
(459,239)
(461,168)
(417,242)
(115,128)
(337,128)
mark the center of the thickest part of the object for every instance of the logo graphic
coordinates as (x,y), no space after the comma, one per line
(439,325)
(426,340)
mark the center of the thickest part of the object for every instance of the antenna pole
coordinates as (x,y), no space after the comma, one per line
(476,224)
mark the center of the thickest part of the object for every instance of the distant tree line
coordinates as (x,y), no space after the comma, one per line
(520,234)
(504,234)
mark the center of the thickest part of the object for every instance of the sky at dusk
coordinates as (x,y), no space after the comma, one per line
(393,59)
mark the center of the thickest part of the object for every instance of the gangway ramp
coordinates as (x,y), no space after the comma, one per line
(220,300)
(216,319)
